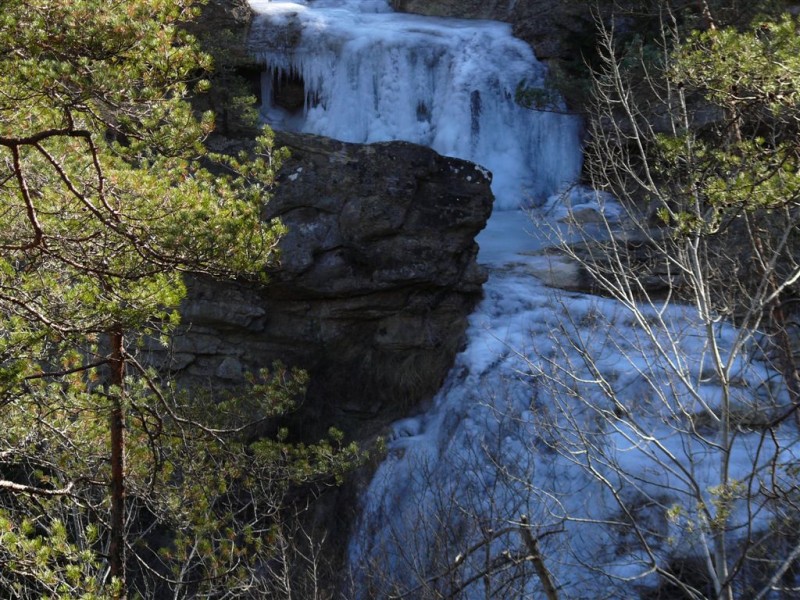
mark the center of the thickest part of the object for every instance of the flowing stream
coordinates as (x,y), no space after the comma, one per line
(447,510)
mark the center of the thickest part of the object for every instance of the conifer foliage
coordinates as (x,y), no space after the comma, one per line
(110,484)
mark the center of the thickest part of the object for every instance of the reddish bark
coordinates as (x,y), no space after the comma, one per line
(117,426)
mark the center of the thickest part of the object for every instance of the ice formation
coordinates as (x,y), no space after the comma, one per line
(502,447)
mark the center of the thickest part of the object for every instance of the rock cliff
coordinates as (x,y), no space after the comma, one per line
(377,277)
(549,26)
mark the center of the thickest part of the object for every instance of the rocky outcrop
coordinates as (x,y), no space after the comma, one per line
(378,270)
(222,31)
(549,26)
(577,268)
(377,277)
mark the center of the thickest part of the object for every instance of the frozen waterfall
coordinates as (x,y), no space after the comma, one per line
(496,473)
(359,73)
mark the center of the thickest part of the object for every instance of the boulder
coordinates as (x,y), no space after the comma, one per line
(376,279)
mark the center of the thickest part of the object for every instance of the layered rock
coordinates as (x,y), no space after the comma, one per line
(549,26)
(377,277)
(378,270)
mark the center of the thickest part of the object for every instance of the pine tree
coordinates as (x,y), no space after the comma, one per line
(107,198)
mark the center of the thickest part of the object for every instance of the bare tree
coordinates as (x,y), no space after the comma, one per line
(643,442)
(680,400)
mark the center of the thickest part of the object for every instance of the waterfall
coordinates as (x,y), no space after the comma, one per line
(358,73)
(489,462)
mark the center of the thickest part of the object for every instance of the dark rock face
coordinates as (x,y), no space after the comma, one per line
(547,25)
(377,278)
(221,31)
(225,22)
(378,272)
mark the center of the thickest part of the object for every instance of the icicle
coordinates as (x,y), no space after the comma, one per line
(446,83)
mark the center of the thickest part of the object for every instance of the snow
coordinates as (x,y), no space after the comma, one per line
(525,424)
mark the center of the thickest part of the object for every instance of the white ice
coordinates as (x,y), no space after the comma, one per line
(502,439)
(372,75)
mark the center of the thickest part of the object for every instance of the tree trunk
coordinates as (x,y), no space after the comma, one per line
(117,425)
(535,555)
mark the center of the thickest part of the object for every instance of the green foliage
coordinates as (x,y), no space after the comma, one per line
(723,110)
(108,197)
(56,567)
(104,196)
(746,159)
(638,27)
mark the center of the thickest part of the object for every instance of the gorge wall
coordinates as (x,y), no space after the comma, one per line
(378,272)
(377,277)
(549,26)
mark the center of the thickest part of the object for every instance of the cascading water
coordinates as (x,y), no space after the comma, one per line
(476,489)
(367,76)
